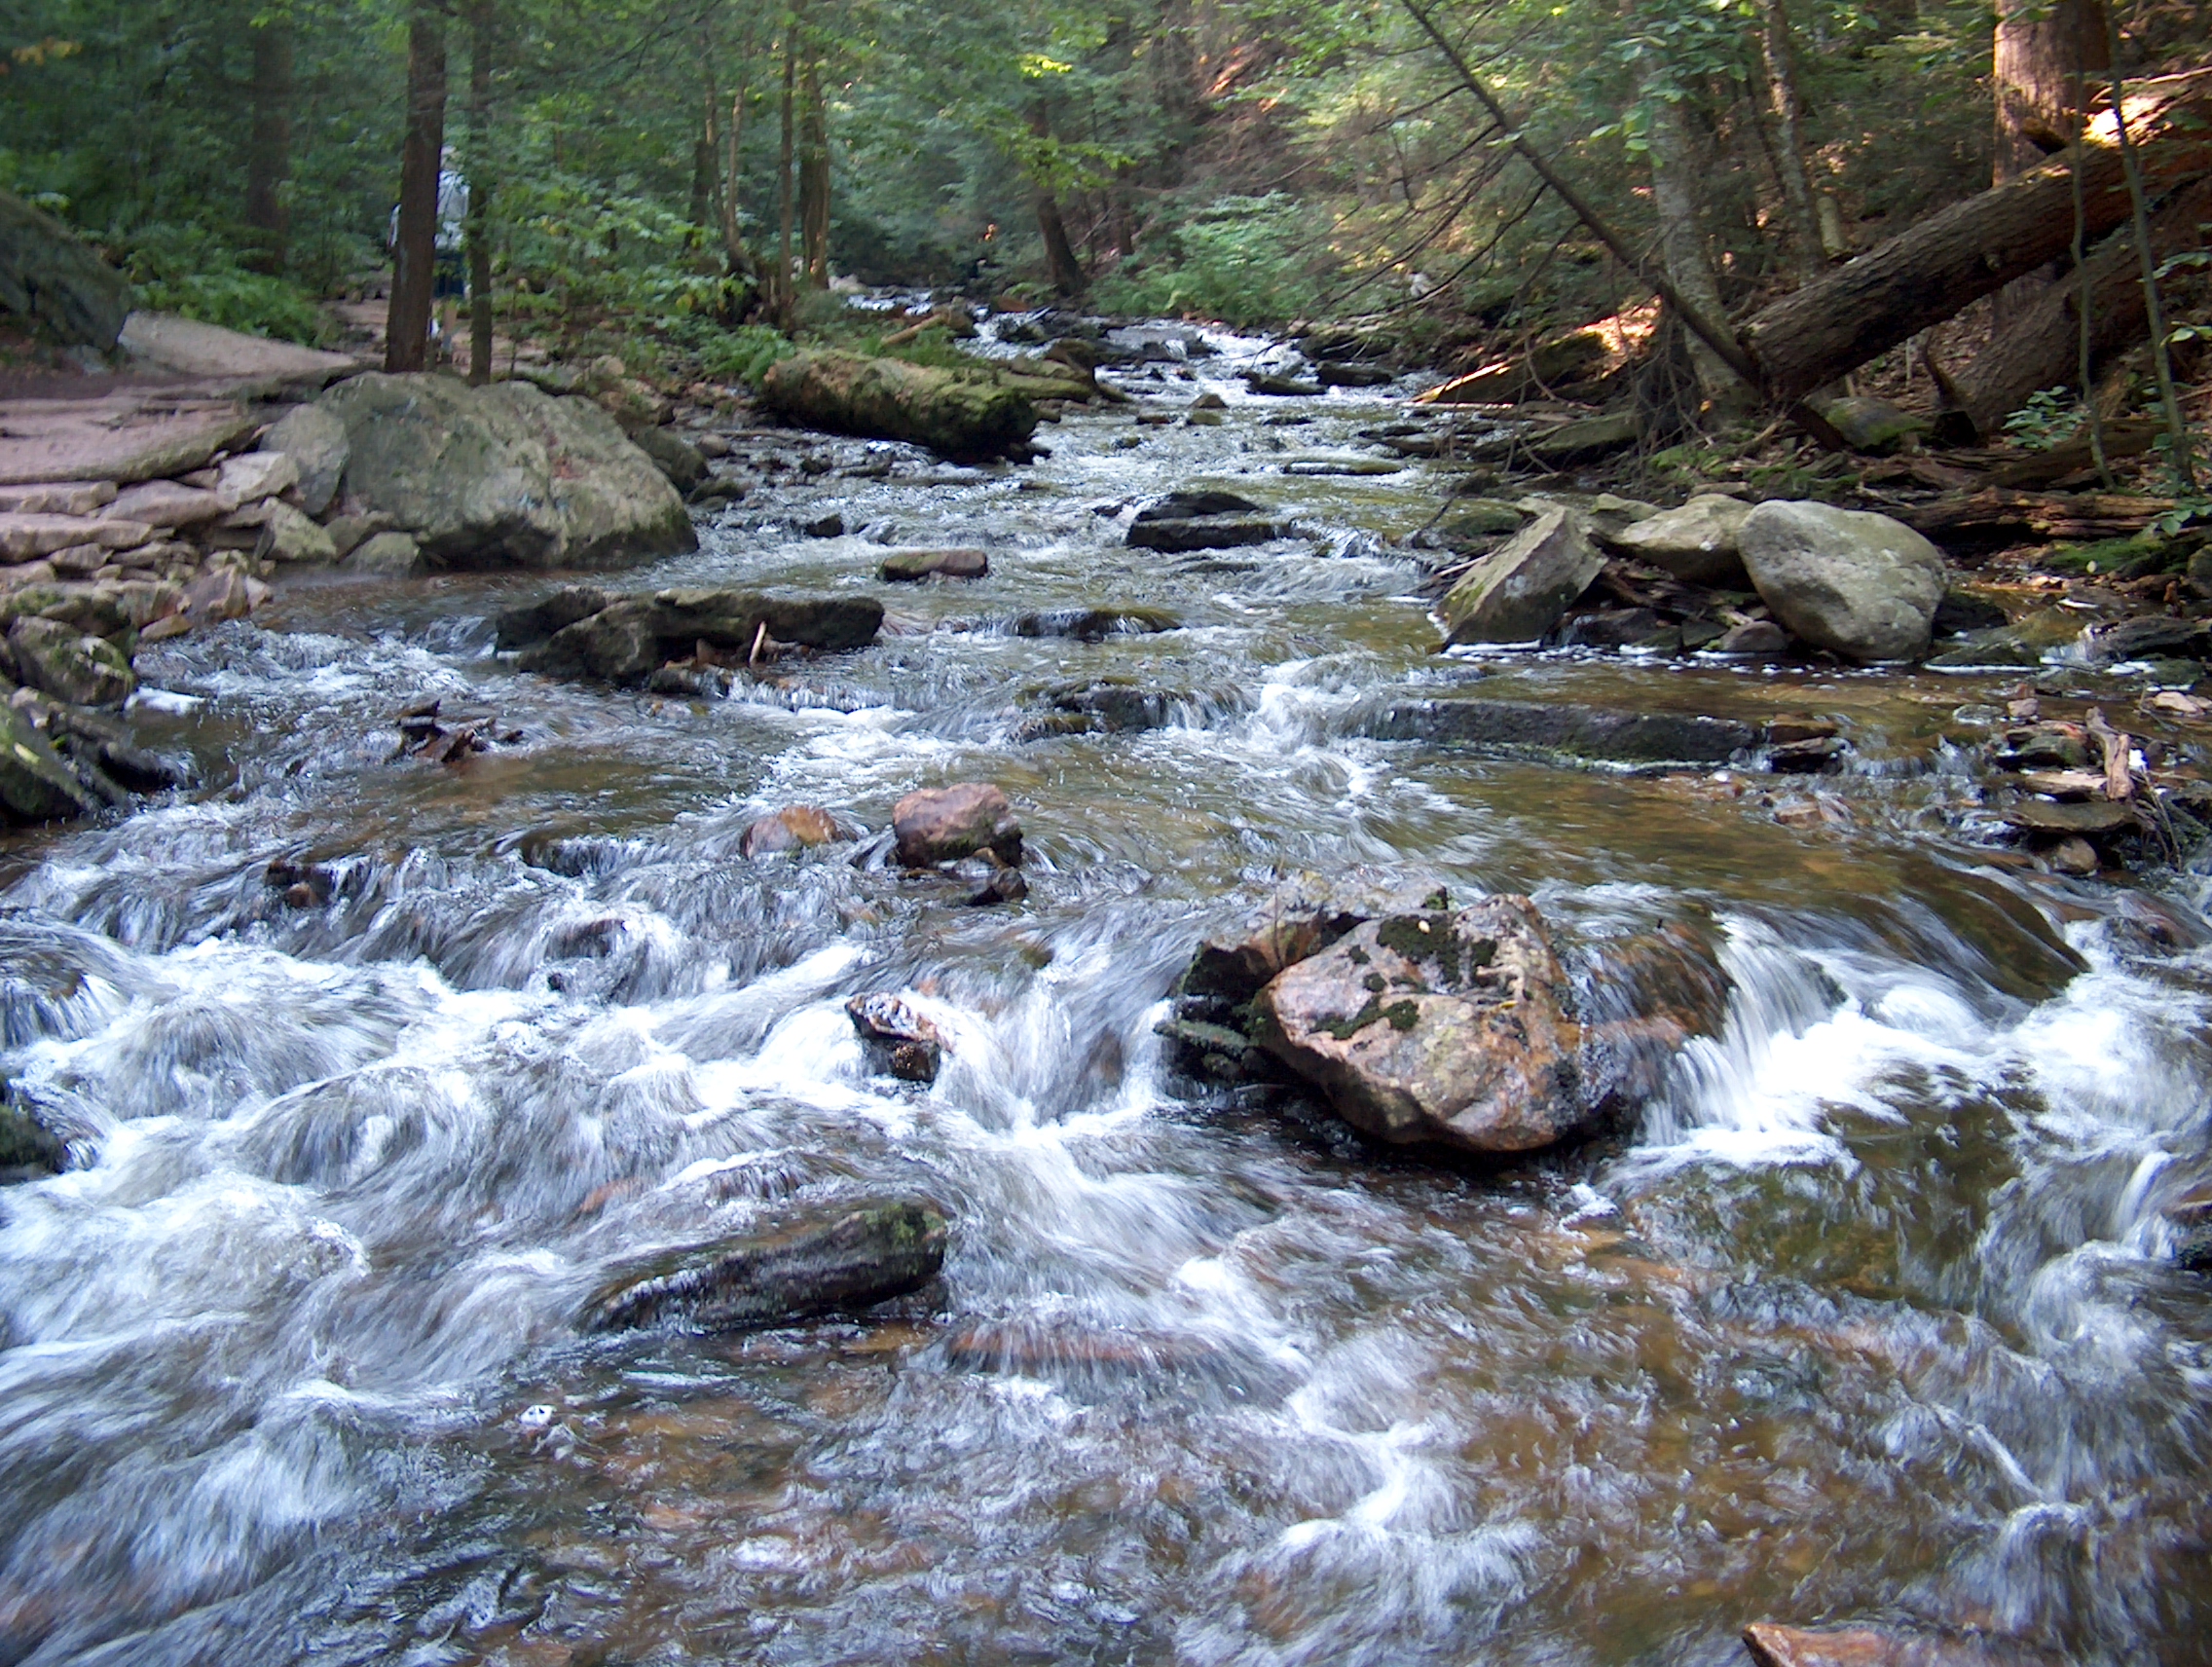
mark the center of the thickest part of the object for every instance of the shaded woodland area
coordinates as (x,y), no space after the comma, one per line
(673,180)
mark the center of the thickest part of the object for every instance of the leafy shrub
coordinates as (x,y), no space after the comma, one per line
(189,272)
(745,354)
(1243,260)
(2048,419)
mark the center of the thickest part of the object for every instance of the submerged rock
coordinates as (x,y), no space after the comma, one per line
(1097,624)
(939,825)
(630,637)
(908,566)
(861,1258)
(1452,1026)
(534,622)
(28,1149)
(1862,584)
(1518,593)
(1559,728)
(1772,1646)
(966,416)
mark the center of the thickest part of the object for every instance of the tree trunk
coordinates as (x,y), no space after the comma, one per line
(2044,48)
(1929,271)
(1681,246)
(814,177)
(784,183)
(733,240)
(1778,57)
(703,170)
(407,330)
(1066,271)
(480,49)
(2042,347)
(268,154)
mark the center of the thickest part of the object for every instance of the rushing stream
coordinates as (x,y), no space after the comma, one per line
(1869,1312)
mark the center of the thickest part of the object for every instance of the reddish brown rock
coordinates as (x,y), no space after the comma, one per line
(1773,1645)
(943,824)
(900,1039)
(1451,1026)
(794,827)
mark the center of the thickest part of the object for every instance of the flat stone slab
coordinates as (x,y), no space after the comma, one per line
(2092,818)
(184,347)
(118,438)
(1590,732)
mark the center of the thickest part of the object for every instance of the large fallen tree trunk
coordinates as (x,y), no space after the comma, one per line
(2042,347)
(968,416)
(1927,274)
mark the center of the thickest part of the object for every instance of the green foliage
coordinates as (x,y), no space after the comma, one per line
(187,271)
(934,347)
(745,354)
(1244,260)
(2050,418)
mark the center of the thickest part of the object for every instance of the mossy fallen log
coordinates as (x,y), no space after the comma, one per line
(966,416)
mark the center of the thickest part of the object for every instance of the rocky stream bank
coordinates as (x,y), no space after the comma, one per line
(1410,1061)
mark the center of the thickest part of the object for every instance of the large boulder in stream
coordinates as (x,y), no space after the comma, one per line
(581,631)
(502,476)
(966,416)
(866,1256)
(1518,593)
(1452,1026)
(1858,583)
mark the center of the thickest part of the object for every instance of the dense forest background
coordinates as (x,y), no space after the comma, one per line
(643,166)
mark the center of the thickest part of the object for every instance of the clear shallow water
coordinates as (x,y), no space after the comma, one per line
(1869,1313)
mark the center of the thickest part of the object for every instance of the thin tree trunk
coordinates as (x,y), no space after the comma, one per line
(1060,260)
(480,49)
(268,154)
(1715,333)
(1778,57)
(703,170)
(2161,361)
(814,177)
(1682,244)
(733,239)
(407,329)
(2084,305)
(2043,49)
(784,183)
